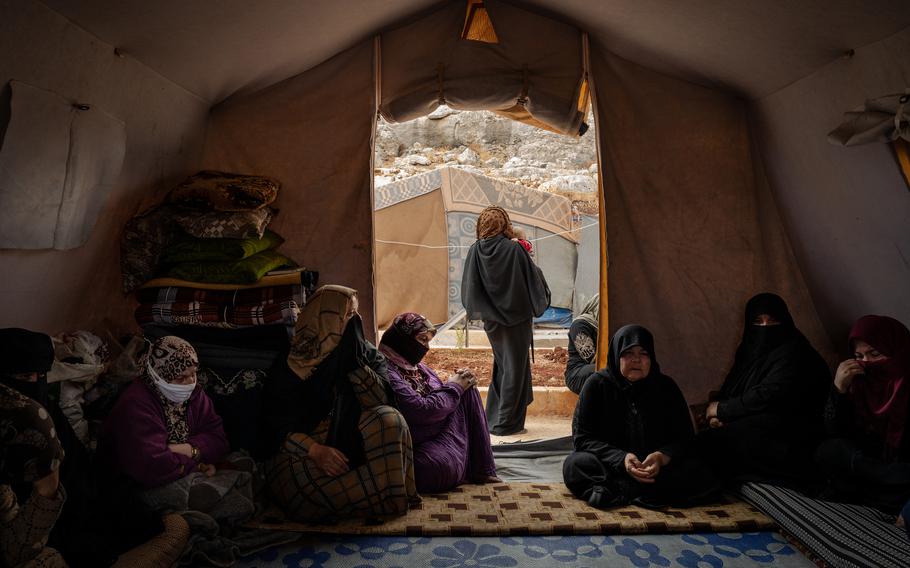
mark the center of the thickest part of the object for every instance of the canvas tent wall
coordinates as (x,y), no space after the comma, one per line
(678,122)
(438,210)
(587,272)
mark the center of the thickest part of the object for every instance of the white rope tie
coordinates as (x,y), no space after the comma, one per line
(583,227)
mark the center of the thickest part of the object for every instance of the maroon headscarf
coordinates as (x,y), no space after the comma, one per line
(881,397)
(400,346)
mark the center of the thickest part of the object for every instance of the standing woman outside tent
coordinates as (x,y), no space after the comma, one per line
(502,286)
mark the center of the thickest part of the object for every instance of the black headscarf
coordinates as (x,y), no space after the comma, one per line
(615,415)
(24,351)
(626,338)
(761,342)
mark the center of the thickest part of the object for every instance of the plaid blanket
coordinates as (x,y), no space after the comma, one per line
(217,315)
(251,296)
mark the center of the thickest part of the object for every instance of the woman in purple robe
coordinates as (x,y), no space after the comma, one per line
(447,421)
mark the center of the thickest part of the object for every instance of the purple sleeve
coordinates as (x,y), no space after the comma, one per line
(424,410)
(139,440)
(207,430)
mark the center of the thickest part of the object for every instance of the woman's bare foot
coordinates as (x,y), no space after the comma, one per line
(487,479)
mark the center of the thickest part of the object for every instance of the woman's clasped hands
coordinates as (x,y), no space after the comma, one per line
(645,471)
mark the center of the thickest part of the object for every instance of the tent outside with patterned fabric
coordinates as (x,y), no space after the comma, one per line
(438,210)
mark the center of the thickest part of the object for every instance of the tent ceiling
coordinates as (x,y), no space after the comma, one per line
(752,47)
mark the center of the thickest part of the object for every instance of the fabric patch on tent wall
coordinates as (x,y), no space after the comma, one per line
(58,164)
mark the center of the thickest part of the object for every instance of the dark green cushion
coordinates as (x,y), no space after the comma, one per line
(245,271)
(219,250)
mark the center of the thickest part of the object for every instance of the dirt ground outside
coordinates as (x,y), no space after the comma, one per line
(546,371)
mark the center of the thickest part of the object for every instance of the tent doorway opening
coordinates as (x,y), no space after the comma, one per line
(432,176)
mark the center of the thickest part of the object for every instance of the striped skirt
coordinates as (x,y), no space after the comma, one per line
(383,486)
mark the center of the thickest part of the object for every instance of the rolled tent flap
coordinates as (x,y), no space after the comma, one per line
(879,120)
(540,82)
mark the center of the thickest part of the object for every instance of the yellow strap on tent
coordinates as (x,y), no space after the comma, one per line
(902,150)
(264,282)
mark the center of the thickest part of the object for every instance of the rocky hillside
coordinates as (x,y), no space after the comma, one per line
(495,146)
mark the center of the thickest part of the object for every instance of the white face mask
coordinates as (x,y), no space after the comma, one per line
(171,391)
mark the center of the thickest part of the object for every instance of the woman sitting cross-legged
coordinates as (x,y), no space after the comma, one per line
(164,444)
(451,442)
(869,459)
(163,429)
(631,431)
(342,450)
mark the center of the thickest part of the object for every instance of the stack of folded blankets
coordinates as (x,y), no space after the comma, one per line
(204,267)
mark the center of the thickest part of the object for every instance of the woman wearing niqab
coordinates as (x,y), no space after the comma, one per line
(451,441)
(502,286)
(768,415)
(342,449)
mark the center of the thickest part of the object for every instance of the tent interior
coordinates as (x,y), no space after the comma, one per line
(716,178)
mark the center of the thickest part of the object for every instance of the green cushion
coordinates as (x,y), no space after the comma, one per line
(245,271)
(219,250)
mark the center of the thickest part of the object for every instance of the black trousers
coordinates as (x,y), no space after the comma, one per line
(856,477)
(681,483)
(510,391)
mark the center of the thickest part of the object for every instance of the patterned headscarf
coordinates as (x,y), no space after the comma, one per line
(494,221)
(591,312)
(29,447)
(170,357)
(319,328)
(400,338)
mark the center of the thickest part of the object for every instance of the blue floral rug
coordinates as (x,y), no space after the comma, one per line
(704,550)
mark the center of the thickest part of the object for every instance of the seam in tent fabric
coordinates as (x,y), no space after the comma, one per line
(583,227)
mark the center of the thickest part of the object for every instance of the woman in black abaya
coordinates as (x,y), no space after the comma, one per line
(768,415)
(502,286)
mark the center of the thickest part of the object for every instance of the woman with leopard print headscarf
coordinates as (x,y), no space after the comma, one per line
(164,426)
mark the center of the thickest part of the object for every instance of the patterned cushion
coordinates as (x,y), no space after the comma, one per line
(144,239)
(225,224)
(221,191)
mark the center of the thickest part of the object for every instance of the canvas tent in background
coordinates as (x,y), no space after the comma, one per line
(717,180)
(438,210)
